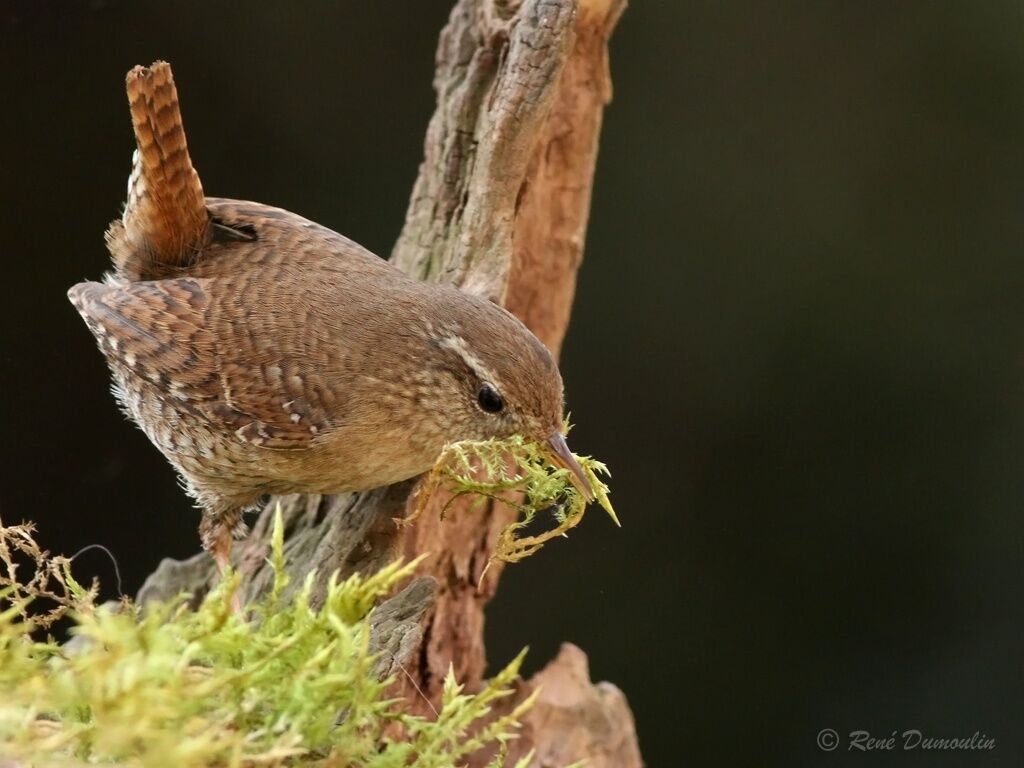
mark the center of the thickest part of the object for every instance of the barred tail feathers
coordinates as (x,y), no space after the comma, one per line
(165,222)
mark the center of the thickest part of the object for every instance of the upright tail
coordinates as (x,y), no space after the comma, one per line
(165,223)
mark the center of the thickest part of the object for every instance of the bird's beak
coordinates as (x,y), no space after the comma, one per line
(563,457)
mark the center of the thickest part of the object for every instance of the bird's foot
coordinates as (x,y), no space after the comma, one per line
(218,534)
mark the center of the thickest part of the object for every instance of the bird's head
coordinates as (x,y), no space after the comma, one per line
(494,378)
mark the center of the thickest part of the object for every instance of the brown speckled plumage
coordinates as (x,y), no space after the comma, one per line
(263,353)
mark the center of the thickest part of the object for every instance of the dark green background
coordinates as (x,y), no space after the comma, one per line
(797,339)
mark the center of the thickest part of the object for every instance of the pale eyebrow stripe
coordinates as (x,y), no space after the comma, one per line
(458,345)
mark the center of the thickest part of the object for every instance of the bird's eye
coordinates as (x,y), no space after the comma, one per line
(489,399)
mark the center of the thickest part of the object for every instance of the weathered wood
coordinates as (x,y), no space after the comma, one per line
(500,209)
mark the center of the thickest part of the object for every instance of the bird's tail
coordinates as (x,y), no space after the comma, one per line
(165,223)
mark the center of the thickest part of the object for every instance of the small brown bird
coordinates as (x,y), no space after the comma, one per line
(265,354)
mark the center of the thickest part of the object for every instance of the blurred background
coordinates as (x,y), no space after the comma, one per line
(797,339)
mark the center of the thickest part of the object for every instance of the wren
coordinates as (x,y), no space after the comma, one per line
(265,354)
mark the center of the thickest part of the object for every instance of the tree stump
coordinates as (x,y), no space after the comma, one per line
(499,209)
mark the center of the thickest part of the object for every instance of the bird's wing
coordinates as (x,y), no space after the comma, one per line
(169,334)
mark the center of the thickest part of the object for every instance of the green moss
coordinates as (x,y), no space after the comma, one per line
(520,474)
(172,686)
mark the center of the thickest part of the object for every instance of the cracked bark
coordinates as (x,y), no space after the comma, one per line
(499,208)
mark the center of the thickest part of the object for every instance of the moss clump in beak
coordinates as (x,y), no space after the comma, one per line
(527,476)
